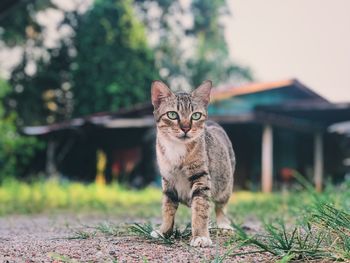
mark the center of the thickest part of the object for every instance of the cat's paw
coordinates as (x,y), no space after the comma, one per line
(225,227)
(201,242)
(156,234)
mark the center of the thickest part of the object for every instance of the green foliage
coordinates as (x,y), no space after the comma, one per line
(116,68)
(192,53)
(48,93)
(91,73)
(212,60)
(15,149)
(106,63)
(17,29)
(42,94)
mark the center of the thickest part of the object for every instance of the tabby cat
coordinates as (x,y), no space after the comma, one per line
(195,158)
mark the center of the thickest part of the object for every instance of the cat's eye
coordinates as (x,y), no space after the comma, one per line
(196,116)
(172,115)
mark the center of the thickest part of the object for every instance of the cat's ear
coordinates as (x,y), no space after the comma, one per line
(160,91)
(203,91)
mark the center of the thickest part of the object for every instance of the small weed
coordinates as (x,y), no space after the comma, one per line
(107,229)
(326,235)
(145,230)
(80,234)
(287,258)
(295,244)
(337,223)
(219,258)
(182,234)
(61,258)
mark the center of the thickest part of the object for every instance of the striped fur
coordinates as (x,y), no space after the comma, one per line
(195,158)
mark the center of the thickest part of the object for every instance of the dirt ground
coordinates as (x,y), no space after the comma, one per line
(71,238)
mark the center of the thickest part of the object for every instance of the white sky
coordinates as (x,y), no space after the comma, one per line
(308,40)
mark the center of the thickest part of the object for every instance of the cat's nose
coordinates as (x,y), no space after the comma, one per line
(185,129)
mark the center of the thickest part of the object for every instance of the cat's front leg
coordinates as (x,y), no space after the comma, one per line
(200,206)
(170,204)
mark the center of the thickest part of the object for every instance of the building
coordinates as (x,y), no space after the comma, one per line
(276,128)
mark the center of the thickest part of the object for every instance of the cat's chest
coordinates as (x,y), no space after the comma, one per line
(170,156)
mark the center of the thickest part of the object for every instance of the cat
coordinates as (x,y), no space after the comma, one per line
(195,158)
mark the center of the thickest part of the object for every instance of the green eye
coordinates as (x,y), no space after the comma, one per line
(196,116)
(172,115)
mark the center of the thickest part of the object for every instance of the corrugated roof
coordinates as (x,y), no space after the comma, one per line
(226,93)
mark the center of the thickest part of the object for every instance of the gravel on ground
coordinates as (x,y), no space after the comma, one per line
(73,238)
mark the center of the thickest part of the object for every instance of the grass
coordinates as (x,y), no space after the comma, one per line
(145,230)
(108,229)
(46,196)
(325,236)
(296,225)
(299,225)
(81,234)
(320,230)
(61,258)
(19,197)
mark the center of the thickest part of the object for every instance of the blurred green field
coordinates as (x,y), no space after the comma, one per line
(52,195)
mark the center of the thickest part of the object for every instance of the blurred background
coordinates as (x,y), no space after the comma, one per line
(75,86)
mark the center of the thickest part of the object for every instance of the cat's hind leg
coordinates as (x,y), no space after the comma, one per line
(222,220)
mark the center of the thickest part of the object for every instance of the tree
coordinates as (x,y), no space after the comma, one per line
(39,82)
(15,149)
(212,59)
(190,45)
(46,96)
(106,63)
(114,65)
(103,65)
(17,20)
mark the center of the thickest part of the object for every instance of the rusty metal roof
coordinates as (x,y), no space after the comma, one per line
(231,91)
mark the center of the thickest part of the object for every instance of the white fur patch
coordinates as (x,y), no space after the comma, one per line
(173,150)
(183,189)
(172,155)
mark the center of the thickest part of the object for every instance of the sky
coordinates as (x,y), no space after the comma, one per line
(308,40)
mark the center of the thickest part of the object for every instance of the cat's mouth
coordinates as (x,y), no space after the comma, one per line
(184,137)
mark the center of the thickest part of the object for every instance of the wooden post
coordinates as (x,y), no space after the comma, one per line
(267,159)
(318,161)
(50,159)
